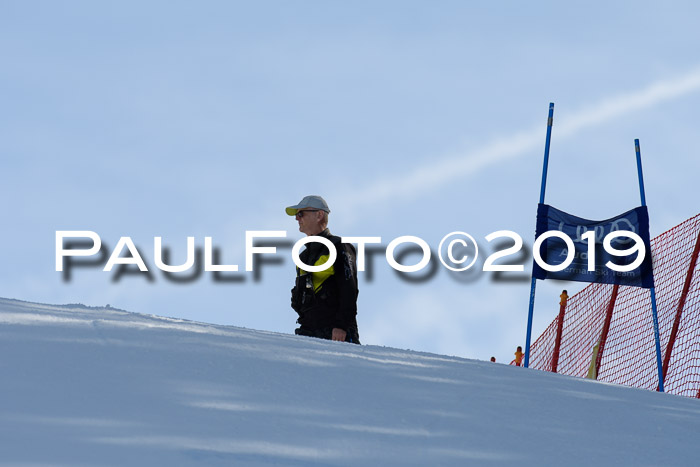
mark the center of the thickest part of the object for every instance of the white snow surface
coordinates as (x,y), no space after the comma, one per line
(85,386)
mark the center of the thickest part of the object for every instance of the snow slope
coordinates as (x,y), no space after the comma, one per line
(95,386)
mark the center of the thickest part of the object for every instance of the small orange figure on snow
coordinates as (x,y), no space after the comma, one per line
(518,356)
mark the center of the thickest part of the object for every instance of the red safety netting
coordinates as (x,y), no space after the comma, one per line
(626,353)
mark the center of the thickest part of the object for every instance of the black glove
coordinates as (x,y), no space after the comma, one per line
(296,302)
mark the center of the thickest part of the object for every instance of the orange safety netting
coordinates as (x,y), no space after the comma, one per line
(607,330)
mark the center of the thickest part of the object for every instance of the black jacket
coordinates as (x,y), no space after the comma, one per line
(334,303)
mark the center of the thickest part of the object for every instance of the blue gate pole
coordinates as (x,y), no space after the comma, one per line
(654,314)
(550,121)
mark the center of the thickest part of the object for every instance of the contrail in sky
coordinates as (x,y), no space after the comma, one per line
(437,173)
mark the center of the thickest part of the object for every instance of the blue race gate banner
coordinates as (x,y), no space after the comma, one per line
(553,250)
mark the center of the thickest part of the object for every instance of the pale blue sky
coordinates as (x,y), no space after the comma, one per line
(188,118)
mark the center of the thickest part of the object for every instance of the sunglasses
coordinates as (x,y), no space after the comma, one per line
(300,214)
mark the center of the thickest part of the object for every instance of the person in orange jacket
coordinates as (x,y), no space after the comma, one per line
(518,356)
